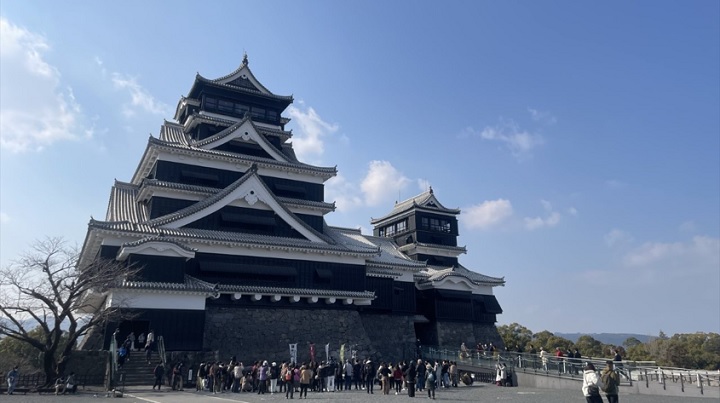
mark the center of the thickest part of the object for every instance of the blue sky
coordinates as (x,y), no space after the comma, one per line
(580,139)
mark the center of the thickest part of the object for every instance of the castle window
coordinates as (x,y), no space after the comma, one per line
(225,106)
(435,224)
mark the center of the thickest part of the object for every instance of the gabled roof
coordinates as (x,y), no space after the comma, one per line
(222,120)
(147,185)
(425,201)
(249,187)
(156,146)
(240,80)
(244,130)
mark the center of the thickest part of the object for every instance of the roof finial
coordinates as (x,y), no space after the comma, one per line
(431,191)
(245,59)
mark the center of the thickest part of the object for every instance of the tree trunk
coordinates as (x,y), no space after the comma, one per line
(49,368)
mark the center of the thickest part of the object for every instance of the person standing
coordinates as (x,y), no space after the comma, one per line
(306,375)
(430,381)
(159,372)
(150,339)
(611,382)
(410,378)
(369,376)
(544,358)
(591,385)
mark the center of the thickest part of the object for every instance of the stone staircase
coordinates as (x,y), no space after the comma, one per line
(137,371)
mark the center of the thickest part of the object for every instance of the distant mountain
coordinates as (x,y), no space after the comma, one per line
(615,339)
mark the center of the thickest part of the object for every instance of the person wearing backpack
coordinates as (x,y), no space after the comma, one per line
(430,381)
(611,382)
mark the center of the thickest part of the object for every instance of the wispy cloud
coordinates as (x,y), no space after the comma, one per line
(343,193)
(486,215)
(35,111)
(688,226)
(309,143)
(618,237)
(700,253)
(551,218)
(140,98)
(4,217)
(519,142)
(542,116)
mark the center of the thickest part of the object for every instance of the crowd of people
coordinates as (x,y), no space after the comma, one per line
(263,377)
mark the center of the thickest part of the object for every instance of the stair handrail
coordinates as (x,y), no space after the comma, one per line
(161,350)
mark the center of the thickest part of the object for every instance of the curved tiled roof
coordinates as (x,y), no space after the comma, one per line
(159,238)
(310,292)
(252,172)
(122,205)
(328,171)
(190,285)
(125,228)
(173,133)
(460,249)
(435,274)
(205,191)
(426,200)
(200,79)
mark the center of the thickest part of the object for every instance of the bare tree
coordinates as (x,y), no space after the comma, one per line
(48,302)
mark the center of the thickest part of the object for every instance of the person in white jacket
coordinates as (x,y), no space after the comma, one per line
(591,384)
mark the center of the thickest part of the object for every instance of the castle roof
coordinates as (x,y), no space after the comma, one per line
(425,201)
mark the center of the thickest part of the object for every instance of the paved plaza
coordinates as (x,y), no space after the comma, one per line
(475,393)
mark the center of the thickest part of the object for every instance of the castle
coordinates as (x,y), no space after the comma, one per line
(236,256)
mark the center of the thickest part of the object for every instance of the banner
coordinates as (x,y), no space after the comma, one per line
(327,352)
(312,351)
(293,353)
(342,353)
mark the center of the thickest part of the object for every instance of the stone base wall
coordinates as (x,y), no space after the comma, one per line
(88,363)
(487,333)
(453,334)
(255,334)
(393,336)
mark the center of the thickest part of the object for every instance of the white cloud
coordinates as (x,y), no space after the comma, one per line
(551,219)
(618,237)
(34,111)
(542,116)
(382,183)
(309,145)
(572,211)
(688,226)
(343,193)
(700,254)
(519,142)
(140,98)
(487,214)
(423,185)
(4,217)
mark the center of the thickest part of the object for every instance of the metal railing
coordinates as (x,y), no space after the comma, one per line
(572,368)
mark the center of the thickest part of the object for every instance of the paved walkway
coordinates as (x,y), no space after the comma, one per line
(476,393)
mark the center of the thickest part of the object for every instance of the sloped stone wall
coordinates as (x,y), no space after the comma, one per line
(253,334)
(487,333)
(393,336)
(453,334)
